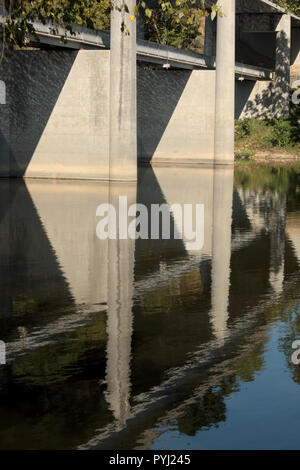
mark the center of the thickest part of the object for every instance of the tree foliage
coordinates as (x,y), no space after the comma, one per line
(290,5)
(176,22)
(21,14)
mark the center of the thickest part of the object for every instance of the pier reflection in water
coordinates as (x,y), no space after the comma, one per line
(120,344)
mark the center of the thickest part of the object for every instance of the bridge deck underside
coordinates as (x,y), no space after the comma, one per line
(146,51)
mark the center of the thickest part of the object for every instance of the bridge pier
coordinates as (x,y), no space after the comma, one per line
(225,84)
(282,67)
(123,109)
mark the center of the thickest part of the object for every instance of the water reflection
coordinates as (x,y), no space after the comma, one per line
(114,343)
(120,316)
(221,252)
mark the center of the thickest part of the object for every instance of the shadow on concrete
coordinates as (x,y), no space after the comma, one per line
(273,101)
(243,90)
(20,128)
(158,93)
(249,49)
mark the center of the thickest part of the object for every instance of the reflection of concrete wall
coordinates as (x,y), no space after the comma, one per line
(293,231)
(55,123)
(97,271)
(38,279)
(199,190)
(277,239)
(68,214)
(176,115)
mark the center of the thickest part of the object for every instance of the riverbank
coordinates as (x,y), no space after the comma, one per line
(264,140)
(274,156)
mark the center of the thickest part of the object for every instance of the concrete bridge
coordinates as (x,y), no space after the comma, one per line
(96,105)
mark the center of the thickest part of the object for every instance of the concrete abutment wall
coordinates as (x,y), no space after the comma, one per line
(55,123)
(96,114)
(176,110)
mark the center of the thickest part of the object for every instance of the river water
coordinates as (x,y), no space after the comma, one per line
(147,344)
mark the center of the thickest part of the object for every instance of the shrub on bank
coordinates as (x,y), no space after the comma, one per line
(262,134)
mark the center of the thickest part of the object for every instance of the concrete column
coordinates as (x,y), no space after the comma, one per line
(221,250)
(225,84)
(123,132)
(120,317)
(210,36)
(283,63)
